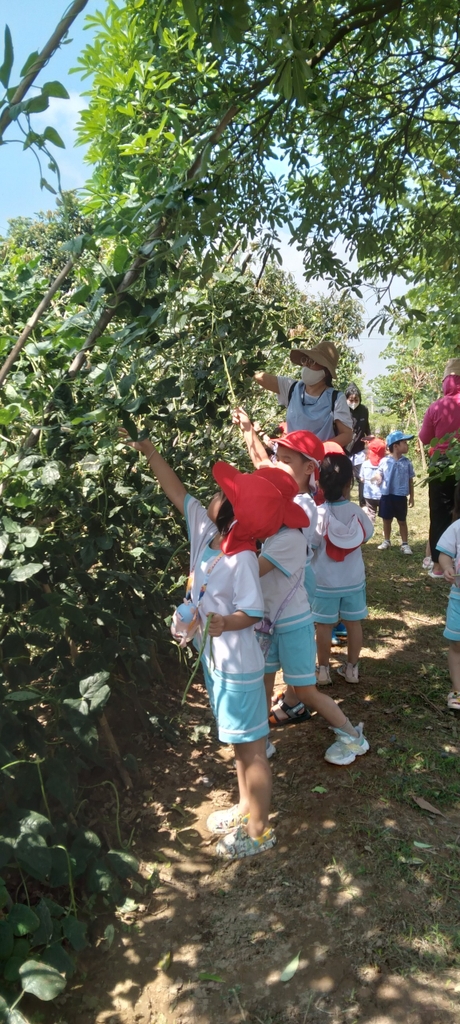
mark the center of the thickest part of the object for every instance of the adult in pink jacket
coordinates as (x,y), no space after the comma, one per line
(442,417)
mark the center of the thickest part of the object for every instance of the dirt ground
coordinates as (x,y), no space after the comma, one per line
(363,885)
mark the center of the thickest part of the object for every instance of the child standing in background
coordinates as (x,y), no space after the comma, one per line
(375,451)
(449,560)
(226,594)
(397,482)
(341,581)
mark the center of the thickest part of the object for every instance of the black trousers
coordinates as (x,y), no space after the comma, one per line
(441,499)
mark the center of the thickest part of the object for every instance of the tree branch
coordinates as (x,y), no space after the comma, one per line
(42,59)
(33,320)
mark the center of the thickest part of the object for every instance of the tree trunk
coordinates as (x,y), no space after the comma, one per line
(417,427)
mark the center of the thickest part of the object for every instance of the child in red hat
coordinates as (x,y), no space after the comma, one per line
(281,559)
(225,588)
(372,492)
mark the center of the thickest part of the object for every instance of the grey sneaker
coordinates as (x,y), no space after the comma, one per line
(323,675)
(406,549)
(385,545)
(347,748)
(238,844)
(349,672)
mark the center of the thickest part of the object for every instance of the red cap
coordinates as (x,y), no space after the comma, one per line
(262,503)
(332,448)
(376,450)
(305,442)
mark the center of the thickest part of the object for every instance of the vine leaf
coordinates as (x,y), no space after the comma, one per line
(8,57)
(41,980)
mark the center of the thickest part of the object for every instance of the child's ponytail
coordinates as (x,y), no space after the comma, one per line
(335,475)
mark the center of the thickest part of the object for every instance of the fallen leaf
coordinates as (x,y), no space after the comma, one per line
(422,846)
(207,976)
(290,968)
(426,806)
(165,962)
(319,789)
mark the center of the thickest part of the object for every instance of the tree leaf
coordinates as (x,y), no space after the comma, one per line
(50,474)
(44,933)
(120,258)
(11,968)
(37,104)
(41,980)
(6,940)
(23,920)
(122,863)
(319,789)
(57,957)
(8,58)
(55,89)
(207,976)
(51,135)
(426,806)
(45,184)
(75,932)
(25,572)
(109,934)
(29,63)
(290,968)
(191,14)
(164,962)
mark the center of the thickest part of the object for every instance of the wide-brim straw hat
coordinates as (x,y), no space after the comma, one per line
(325,354)
(452,368)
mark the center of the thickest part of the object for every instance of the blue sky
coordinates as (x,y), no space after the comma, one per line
(31,23)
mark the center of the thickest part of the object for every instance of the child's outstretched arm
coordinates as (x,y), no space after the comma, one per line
(448,567)
(167,478)
(411,493)
(254,445)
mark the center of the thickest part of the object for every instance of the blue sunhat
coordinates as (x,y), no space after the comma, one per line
(398,435)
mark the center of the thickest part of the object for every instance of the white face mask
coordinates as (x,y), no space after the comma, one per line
(353,403)
(312,376)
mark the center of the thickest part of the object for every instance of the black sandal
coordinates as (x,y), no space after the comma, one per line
(296,714)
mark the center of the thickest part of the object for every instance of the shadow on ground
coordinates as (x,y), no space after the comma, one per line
(363,884)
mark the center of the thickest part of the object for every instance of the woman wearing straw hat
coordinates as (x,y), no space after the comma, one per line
(312,402)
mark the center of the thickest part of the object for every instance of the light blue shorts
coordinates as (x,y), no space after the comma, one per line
(332,607)
(295,653)
(452,630)
(240,710)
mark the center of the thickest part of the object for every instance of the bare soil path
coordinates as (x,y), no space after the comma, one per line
(363,885)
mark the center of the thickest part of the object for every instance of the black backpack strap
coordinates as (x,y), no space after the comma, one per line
(333,401)
(291,389)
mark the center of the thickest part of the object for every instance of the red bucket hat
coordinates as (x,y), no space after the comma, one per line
(262,503)
(332,448)
(376,450)
(305,442)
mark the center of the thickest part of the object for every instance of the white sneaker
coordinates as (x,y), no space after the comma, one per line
(406,549)
(223,821)
(347,748)
(349,672)
(270,748)
(453,700)
(323,675)
(384,545)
